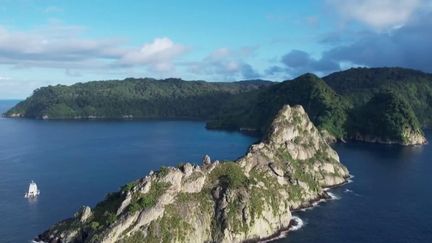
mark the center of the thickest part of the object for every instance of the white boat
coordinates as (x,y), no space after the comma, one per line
(32,191)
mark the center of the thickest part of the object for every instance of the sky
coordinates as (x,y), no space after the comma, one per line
(49,42)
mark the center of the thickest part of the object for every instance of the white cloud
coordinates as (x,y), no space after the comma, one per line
(53,9)
(20,88)
(226,64)
(72,73)
(297,62)
(220,53)
(159,54)
(65,52)
(408,46)
(61,44)
(64,47)
(379,14)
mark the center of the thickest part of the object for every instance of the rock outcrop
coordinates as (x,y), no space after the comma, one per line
(408,137)
(412,137)
(248,199)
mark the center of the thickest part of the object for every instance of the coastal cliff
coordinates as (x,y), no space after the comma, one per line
(231,201)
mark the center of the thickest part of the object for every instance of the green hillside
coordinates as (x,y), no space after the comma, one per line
(359,85)
(380,103)
(386,116)
(137,98)
(324,107)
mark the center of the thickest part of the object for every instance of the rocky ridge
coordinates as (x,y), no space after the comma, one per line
(249,199)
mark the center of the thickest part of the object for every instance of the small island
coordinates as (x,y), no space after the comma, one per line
(230,201)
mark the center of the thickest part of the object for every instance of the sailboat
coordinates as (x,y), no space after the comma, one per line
(32,191)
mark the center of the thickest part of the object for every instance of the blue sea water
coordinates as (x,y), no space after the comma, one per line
(388,201)
(77,162)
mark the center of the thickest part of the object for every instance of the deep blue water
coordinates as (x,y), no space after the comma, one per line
(389,200)
(77,162)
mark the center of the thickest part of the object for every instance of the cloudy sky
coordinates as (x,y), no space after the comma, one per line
(46,42)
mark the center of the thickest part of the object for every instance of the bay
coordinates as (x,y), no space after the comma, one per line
(77,162)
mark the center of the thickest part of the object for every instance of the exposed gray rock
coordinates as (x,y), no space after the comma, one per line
(251,198)
(329,138)
(276,169)
(85,213)
(125,203)
(409,137)
(206,160)
(187,169)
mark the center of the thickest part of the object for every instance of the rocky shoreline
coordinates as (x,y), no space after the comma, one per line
(282,233)
(250,199)
(410,139)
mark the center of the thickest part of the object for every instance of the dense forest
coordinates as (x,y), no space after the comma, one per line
(325,108)
(383,116)
(132,98)
(359,85)
(381,102)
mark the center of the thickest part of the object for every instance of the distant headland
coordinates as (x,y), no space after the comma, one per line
(383,105)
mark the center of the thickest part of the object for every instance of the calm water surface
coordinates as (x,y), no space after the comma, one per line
(389,201)
(76,163)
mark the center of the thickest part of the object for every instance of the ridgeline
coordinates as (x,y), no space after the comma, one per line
(132,98)
(385,105)
(231,201)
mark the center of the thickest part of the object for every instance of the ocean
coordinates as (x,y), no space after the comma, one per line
(77,163)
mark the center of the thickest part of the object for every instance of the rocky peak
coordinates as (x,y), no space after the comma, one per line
(248,199)
(206,160)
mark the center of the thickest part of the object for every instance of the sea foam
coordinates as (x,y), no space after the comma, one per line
(298,223)
(333,196)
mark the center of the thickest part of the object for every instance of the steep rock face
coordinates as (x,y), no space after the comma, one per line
(249,199)
(412,137)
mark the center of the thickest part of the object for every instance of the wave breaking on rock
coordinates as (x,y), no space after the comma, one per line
(250,199)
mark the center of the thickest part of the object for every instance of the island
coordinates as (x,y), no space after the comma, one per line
(219,201)
(381,105)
